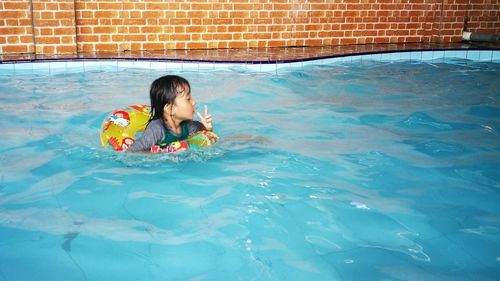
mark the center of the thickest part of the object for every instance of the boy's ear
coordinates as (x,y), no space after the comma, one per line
(168,109)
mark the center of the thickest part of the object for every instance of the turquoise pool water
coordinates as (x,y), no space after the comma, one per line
(347,171)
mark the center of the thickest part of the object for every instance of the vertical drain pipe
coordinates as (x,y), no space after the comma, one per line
(441,21)
(466,17)
(76,29)
(33,28)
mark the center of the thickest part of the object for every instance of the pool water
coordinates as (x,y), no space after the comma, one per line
(345,171)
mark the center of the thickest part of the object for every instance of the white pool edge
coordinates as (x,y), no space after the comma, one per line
(83,65)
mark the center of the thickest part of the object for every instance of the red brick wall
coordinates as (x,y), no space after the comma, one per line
(483,16)
(54,26)
(66,26)
(16,31)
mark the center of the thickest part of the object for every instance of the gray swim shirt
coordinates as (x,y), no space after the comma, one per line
(155,133)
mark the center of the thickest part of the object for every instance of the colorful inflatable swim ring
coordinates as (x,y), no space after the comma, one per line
(201,139)
(121,127)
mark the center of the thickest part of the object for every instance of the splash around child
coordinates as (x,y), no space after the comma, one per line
(167,126)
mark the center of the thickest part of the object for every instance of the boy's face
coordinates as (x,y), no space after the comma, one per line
(184,105)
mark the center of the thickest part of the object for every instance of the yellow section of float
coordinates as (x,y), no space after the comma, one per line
(120,127)
(203,138)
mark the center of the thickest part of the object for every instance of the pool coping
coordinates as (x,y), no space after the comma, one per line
(250,56)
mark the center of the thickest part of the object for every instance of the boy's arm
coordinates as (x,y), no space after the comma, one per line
(152,135)
(194,127)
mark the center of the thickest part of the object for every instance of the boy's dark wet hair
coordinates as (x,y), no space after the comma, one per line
(164,91)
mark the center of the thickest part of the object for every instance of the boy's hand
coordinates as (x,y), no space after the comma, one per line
(206,120)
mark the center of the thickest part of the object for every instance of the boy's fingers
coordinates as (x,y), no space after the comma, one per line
(201,116)
(207,119)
